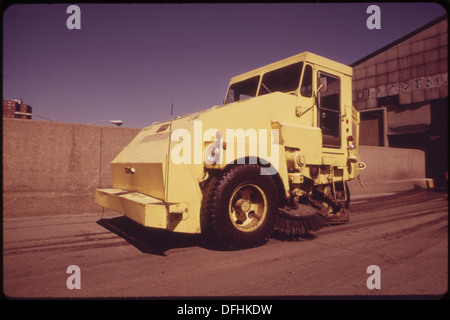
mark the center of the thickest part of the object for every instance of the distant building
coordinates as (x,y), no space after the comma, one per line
(401,91)
(11,107)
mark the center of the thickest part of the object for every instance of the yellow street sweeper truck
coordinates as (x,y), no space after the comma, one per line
(275,156)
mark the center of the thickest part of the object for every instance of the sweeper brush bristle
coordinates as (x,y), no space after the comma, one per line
(297,221)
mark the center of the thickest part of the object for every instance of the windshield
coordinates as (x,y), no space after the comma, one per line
(285,79)
(282,80)
(242,90)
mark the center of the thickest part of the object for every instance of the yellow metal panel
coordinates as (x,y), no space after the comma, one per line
(109,198)
(184,190)
(148,178)
(307,139)
(148,211)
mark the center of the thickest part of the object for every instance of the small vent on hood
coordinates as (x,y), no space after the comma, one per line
(163,128)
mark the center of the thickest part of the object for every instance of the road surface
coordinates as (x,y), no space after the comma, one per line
(405,235)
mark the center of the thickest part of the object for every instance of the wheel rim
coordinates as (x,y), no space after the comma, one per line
(247,207)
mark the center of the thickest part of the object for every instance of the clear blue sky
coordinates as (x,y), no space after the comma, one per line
(132,61)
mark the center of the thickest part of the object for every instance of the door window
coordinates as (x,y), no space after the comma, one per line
(329,106)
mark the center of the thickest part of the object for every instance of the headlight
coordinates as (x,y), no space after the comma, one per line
(212,153)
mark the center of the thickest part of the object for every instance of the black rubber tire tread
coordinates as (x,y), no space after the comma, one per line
(215,217)
(205,216)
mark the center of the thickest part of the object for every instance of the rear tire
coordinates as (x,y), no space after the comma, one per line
(240,207)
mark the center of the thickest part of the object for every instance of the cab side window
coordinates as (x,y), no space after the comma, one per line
(329,109)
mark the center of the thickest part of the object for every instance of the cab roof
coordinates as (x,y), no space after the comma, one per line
(304,56)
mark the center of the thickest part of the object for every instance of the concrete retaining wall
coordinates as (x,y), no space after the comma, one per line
(389,170)
(54,168)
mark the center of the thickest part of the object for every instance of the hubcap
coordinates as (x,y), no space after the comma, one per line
(247,207)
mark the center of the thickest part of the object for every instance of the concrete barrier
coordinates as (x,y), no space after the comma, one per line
(390,170)
(54,168)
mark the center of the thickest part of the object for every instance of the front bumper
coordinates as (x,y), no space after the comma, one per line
(143,209)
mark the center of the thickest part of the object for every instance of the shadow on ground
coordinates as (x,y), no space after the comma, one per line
(151,240)
(158,241)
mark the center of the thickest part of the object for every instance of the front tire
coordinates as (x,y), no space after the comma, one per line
(240,207)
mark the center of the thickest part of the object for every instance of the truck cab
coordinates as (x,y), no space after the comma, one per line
(320,121)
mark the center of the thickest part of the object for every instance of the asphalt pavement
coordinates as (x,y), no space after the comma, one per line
(395,245)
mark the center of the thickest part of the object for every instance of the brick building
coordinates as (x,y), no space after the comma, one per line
(401,91)
(10,107)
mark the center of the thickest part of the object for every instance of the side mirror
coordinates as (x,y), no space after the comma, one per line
(323,87)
